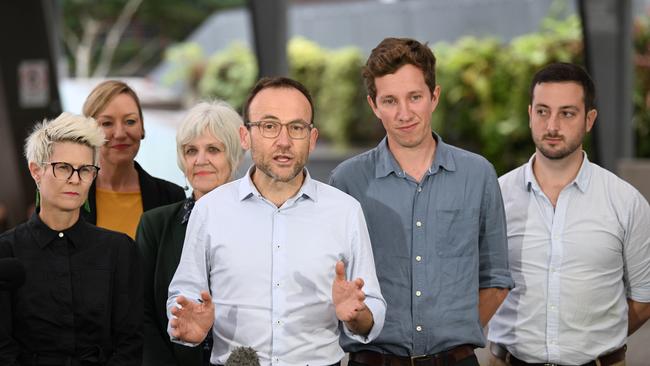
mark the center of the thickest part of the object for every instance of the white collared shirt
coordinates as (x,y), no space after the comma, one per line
(270,270)
(573,266)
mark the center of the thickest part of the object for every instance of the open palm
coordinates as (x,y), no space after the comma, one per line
(193,320)
(348,296)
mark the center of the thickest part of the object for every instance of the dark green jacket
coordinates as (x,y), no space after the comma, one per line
(159,239)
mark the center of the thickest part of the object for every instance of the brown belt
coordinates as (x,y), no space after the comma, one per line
(605,360)
(448,358)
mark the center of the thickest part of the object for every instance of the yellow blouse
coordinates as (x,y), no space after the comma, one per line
(119,211)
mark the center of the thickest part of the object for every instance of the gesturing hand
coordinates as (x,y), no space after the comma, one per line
(194,320)
(348,296)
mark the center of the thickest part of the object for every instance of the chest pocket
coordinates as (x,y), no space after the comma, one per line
(456,232)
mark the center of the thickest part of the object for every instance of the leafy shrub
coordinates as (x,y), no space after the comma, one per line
(484,101)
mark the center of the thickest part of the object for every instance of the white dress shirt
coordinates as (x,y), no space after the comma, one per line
(573,266)
(270,270)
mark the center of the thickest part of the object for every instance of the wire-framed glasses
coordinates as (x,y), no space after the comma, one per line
(64,171)
(271,129)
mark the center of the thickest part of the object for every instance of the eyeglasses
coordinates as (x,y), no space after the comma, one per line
(64,171)
(297,130)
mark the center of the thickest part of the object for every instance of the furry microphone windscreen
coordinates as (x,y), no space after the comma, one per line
(243,356)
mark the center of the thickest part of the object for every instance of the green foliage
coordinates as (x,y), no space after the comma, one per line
(154,26)
(307,62)
(229,75)
(186,60)
(484,99)
(642,86)
(333,77)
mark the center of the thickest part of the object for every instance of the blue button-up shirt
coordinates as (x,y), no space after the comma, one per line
(436,242)
(270,270)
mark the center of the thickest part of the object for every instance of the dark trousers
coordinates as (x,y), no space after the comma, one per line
(469,361)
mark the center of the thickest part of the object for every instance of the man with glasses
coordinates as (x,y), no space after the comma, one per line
(81,303)
(276,260)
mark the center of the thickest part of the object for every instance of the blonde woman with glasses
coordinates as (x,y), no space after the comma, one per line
(81,303)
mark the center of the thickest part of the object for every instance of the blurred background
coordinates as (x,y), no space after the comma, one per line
(177,52)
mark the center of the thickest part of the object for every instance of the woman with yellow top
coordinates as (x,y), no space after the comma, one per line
(122,190)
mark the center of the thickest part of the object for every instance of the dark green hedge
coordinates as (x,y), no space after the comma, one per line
(484,83)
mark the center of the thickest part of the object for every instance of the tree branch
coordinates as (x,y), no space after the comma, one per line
(114,36)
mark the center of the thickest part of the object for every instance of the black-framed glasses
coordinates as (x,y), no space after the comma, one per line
(297,130)
(64,171)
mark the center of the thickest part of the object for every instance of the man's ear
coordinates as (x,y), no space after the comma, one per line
(591,119)
(373,106)
(244,137)
(313,137)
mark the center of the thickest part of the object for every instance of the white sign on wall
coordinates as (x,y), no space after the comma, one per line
(33,84)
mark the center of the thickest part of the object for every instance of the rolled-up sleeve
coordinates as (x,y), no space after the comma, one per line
(363,266)
(636,250)
(192,274)
(493,241)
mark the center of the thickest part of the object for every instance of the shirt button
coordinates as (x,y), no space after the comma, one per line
(60,235)
(277,284)
(419,189)
(418,293)
(418,224)
(418,258)
(418,328)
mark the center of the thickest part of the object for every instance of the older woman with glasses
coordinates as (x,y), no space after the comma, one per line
(209,152)
(81,303)
(123,190)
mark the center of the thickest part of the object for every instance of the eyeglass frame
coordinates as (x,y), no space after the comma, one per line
(309,126)
(78,170)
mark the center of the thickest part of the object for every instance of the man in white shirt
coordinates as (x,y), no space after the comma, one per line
(579,240)
(275,249)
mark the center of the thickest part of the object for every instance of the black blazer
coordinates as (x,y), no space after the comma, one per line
(159,239)
(155,192)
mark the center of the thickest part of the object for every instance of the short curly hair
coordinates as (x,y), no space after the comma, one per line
(393,53)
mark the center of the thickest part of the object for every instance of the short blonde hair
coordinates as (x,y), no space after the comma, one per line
(67,127)
(103,94)
(218,118)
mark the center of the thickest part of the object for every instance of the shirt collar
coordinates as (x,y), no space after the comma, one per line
(247,189)
(387,164)
(44,235)
(581,180)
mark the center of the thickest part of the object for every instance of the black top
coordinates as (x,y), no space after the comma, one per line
(155,192)
(160,239)
(82,298)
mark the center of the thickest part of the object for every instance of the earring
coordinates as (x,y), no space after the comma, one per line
(87,206)
(186,187)
(38,198)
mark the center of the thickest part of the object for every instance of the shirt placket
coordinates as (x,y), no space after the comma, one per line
(554,276)
(420,330)
(64,290)
(278,284)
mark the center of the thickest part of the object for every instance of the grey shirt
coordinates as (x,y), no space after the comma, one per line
(435,244)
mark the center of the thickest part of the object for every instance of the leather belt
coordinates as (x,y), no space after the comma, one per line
(446,358)
(609,359)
